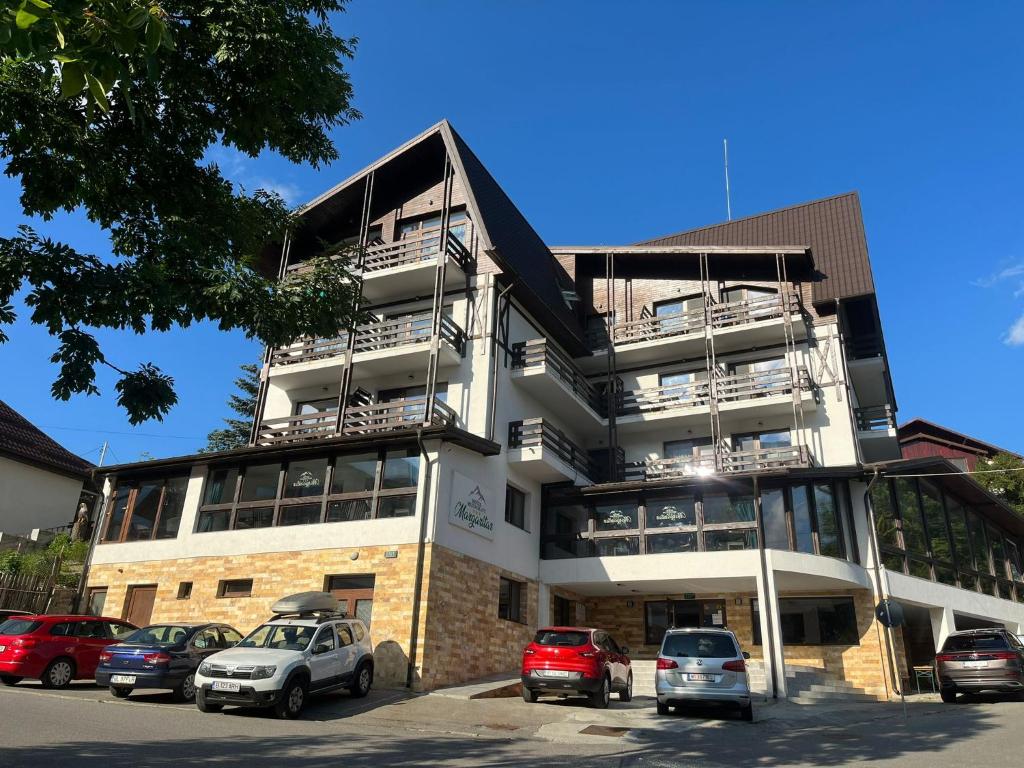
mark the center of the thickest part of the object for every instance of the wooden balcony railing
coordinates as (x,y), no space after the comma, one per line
(666,397)
(405,331)
(724,462)
(359,420)
(864,347)
(683,323)
(538,352)
(665,469)
(414,249)
(396,414)
(747,386)
(767,307)
(764,458)
(306,350)
(875,418)
(537,433)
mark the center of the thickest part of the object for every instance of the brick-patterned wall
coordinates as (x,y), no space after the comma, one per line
(465,639)
(275,575)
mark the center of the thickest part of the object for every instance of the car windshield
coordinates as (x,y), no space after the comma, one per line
(975,643)
(568,639)
(280,636)
(703,645)
(158,634)
(19,626)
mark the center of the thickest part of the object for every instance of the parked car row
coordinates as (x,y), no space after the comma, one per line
(704,665)
(307,647)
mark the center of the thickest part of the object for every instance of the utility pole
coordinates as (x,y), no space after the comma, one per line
(728,202)
(103,453)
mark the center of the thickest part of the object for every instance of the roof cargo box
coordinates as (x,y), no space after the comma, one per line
(306,602)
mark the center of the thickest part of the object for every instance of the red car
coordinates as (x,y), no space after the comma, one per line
(55,649)
(576,660)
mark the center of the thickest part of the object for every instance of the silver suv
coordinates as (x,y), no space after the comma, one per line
(702,666)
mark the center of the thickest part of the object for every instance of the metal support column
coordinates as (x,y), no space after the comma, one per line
(439,281)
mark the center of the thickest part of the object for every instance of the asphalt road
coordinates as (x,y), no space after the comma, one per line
(86,729)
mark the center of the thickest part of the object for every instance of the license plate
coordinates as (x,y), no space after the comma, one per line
(227,685)
(126,679)
(700,677)
(975,664)
(556,673)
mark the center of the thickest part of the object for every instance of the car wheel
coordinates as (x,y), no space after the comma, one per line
(626,694)
(948,695)
(293,699)
(529,695)
(363,681)
(747,713)
(58,673)
(599,699)
(10,679)
(663,709)
(186,690)
(204,705)
(120,693)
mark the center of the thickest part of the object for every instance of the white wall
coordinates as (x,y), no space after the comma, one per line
(31,497)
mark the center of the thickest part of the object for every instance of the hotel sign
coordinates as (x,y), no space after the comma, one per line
(471,506)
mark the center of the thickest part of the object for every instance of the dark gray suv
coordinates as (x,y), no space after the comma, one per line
(980,660)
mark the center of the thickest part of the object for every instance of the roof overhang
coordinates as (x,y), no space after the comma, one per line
(307,449)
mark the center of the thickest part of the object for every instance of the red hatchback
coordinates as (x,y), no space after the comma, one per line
(576,660)
(55,649)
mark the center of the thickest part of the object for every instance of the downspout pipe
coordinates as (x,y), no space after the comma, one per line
(410,674)
(883,593)
(494,360)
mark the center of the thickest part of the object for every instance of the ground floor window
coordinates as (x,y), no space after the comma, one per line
(565,615)
(354,594)
(510,600)
(813,621)
(234,588)
(662,615)
(97,599)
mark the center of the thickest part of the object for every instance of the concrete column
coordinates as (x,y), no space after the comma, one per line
(943,623)
(543,605)
(768,606)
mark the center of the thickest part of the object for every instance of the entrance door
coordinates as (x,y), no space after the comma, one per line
(355,595)
(140,605)
(681,614)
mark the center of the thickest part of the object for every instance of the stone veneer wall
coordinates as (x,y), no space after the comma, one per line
(864,665)
(275,575)
(465,639)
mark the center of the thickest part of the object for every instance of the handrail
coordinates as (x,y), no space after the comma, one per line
(538,352)
(410,329)
(305,350)
(396,414)
(726,462)
(537,433)
(765,307)
(416,248)
(875,418)
(664,397)
(307,426)
(746,386)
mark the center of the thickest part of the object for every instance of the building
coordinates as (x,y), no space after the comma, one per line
(41,483)
(676,432)
(919,439)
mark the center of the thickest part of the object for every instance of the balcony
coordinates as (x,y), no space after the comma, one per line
(662,406)
(400,344)
(553,378)
(770,392)
(365,419)
(725,462)
(407,267)
(545,454)
(876,430)
(313,361)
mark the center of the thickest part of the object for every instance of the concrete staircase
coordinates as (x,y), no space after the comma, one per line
(804,685)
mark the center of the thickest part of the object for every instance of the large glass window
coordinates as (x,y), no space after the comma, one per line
(401,469)
(305,478)
(935,520)
(829,541)
(616,517)
(885,515)
(671,512)
(728,508)
(260,482)
(813,621)
(910,514)
(354,473)
(776,526)
(220,486)
(735,538)
(802,524)
(146,509)
(671,542)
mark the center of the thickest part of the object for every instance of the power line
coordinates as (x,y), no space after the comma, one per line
(112,432)
(975,472)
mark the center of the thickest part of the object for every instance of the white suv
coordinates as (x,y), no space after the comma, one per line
(283,661)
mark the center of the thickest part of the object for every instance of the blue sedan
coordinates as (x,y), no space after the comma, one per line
(162,656)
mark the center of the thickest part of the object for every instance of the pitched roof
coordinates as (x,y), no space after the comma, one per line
(916,429)
(833,228)
(23,442)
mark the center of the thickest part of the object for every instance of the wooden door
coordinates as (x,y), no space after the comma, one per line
(140,605)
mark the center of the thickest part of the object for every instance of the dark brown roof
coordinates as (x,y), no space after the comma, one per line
(922,428)
(833,228)
(21,441)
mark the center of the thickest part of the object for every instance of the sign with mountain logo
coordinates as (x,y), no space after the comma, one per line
(471,506)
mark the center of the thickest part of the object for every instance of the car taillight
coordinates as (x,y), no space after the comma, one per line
(1002,655)
(25,642)
(104,656)
(737,665)
(156,658)
(667,664)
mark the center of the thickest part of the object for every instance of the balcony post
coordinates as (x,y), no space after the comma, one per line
(439,281)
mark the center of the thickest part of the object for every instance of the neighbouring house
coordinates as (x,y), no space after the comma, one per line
(677,432)
(920,438)
(41,482)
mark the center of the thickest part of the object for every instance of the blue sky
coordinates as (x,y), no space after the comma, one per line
(604,123)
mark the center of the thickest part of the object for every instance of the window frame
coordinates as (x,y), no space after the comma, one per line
(133,486)
(512,493)
(755,635)
(223,586)
(517,592)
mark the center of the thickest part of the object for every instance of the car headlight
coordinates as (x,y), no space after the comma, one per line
(259,673)
(204,669)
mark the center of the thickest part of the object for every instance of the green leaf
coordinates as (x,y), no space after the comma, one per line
(72,79)
(59,26)
(98,92)
(5,33)
(64,58)
(26,18)
(40,4)
(137,18)
(154,31)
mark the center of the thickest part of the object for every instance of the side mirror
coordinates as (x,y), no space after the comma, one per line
(625,650)
(746,655)
(322,648)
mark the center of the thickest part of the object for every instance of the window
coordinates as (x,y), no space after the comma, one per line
(142,510)
(671,542)
(616,517)
(344,635)
(259,483)
(829,541)
(564,613)
(231,637)
(119,631)
(401,469)
(355,473)
(690,455)
(324,640)
(97,599)
(300,514)
(767,442)
(234,588)
(253,517)
(726,539)
(305,478)
(802,525)
(515,507)
(728,508)
(813,621)
(700,645)
(206,639)
(354,594)
(220,487)
(672,512)
(776,526)
(510,600)
(184,590)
